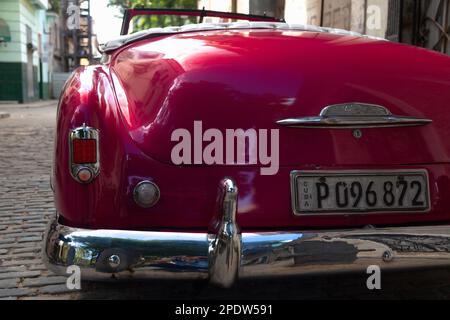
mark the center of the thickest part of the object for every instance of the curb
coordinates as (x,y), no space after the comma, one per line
(29,105)
(4,115)
(41,104)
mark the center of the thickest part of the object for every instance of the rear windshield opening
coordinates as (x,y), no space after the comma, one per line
(143,22)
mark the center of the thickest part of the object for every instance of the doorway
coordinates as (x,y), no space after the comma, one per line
(29,69)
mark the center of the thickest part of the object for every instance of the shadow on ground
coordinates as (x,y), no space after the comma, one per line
(418,284)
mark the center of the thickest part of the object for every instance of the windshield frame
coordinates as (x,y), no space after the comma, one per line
(130,13)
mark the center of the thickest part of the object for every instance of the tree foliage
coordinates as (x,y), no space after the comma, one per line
(54,5)
(145,22)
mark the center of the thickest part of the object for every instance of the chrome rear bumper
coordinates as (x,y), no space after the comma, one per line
(227,254)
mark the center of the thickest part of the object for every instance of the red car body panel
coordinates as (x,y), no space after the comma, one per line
(248,79)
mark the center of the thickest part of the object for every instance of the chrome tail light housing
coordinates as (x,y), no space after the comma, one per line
(84,157)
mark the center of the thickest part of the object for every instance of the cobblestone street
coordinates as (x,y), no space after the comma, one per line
(26,138)
(26,205)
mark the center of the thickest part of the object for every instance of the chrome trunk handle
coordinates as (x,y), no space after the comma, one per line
(354,115)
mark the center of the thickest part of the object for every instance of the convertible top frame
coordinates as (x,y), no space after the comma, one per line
(130,13)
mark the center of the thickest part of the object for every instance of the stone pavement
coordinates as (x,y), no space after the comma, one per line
(26,205)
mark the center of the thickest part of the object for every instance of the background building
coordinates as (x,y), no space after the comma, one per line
(19,55)
(38,49)
(28,49)
(423,23)
(77,40)
(52,55)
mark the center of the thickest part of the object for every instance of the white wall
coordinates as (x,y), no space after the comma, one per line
(295,11)
(222,5)
(243,6)
(344,14)
(28,16)
(377,17)
(9,11)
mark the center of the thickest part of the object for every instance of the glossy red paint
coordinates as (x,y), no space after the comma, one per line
(248,79)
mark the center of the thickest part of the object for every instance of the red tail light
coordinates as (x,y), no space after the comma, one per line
(84,154)
(84,151)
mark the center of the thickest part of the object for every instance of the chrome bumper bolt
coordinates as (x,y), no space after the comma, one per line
(114,261)
(388,256)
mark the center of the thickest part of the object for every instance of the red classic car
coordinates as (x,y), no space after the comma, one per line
(249,149)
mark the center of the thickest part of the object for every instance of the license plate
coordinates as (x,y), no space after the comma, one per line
(351,192)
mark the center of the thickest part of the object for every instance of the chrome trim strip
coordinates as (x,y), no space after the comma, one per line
(355,109)
(81,133)
(353,116)
(119,42)
(297,173)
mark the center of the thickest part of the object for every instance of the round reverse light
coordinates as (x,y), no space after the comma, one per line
(146,194)
(84,175)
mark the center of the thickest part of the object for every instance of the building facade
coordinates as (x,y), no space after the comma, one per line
(77,36)
(364,16)
(424,23)
(29,49)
